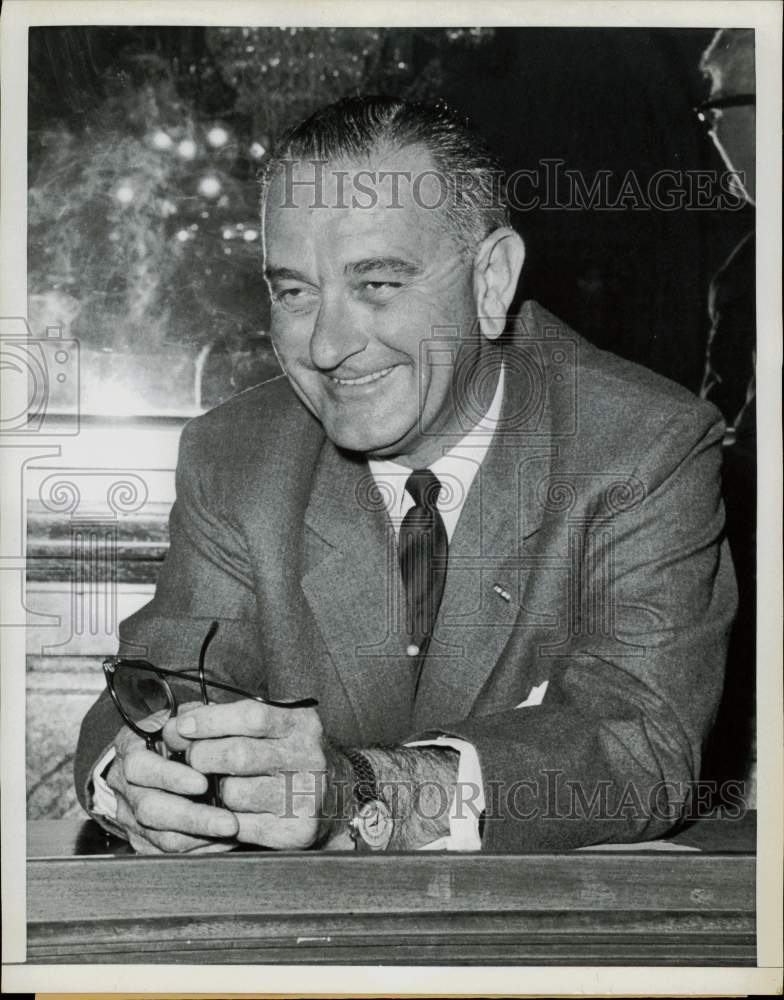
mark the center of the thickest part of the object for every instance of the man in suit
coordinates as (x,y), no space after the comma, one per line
(729,113)
(492,552)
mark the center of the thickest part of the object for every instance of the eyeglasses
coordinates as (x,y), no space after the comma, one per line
(703,110)
(146,701)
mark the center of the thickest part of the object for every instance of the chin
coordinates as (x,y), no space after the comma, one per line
(365,441)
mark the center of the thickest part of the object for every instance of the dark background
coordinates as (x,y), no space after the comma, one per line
(613,99)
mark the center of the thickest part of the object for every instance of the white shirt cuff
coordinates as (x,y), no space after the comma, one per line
(104,799)
(468,802)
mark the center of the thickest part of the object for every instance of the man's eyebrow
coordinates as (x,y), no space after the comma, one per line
(394,265)
(283,273)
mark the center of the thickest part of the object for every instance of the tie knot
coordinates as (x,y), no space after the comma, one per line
(424,487)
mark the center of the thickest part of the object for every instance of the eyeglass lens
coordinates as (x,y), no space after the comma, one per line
(142,693)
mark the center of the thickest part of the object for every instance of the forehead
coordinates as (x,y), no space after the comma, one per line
(391,197)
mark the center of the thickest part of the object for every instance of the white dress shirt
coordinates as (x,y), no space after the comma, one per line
(456,471)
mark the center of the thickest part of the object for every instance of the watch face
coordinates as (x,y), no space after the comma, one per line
(374,824)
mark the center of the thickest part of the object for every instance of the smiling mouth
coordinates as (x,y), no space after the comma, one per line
(362,379)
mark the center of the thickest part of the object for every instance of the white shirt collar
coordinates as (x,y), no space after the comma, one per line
(456,470)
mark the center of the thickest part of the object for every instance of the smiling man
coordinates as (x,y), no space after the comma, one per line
(358,290)
(490,552)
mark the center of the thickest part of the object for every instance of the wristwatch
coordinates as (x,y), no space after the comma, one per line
(371,823)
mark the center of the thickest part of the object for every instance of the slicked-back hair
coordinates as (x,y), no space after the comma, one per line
(354,127)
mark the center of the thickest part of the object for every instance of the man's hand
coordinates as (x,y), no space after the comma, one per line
(274,762)
(153,808)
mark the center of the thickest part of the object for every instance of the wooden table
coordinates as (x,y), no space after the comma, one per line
(92,900)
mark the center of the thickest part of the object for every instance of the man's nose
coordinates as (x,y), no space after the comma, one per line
(336,336)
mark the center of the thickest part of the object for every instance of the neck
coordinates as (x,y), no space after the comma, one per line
(476,392)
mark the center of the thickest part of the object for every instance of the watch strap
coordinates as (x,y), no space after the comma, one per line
(365,787)
(371,823)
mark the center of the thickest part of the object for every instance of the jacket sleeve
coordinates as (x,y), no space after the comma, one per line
(613,751)
(205,577)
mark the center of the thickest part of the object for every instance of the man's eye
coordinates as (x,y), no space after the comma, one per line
(379,290)
(296,299)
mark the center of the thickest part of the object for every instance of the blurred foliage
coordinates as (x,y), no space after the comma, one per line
(144,149)
(141,220)
(282,75)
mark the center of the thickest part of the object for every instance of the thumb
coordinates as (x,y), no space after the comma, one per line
(174,742)
(171,737)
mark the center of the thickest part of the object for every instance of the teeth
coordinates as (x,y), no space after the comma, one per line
(363,379)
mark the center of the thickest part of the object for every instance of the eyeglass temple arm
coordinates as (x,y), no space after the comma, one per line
(733,101)
(202,654)
(190,676)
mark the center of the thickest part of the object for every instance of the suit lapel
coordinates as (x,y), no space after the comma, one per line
(352,586)
(488,569)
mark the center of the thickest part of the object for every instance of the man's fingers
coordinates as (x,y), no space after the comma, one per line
(258,828)
(272,831)
(115,779)
(171,737)
(239,718)
(174,742)
(143,767)
(248,795)
(161,811)
(141,844)
(214,847)
(145,840)
(235,755)
(172,842)
(139,839)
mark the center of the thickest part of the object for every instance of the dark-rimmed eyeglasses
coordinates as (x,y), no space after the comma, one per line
(146,701)
(703,110)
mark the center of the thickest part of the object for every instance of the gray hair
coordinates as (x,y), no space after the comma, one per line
(353,127)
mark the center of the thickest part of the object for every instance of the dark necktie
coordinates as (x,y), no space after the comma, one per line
(423,549)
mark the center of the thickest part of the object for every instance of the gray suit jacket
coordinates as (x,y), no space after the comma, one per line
(597,510)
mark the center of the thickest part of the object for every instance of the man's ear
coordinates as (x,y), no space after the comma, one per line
(497,267)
